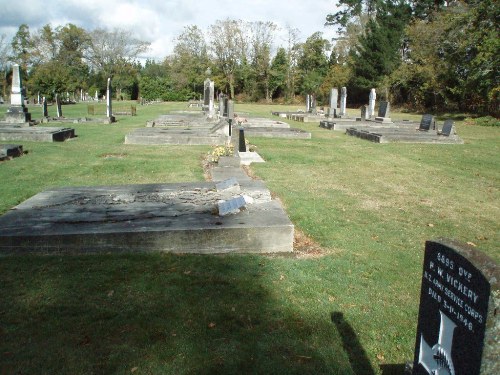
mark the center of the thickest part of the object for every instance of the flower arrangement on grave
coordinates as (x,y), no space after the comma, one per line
(218,151)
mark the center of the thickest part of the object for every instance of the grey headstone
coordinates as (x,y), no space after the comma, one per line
(447,127)
(58,106)
(343,101)
(383,110)
(427,122)
(230,109)
(109,109)
(231,184)
(231,206)
(371,103)
(364,112)
(458,321)
(225,100)
(206,92)
(334,98)
(308,103)
(44,105)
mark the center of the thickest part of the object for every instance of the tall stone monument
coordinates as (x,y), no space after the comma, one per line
(17,113)
(334,99)
(208,98)
(44,106)
(343,101)
(371,103)
(109,108)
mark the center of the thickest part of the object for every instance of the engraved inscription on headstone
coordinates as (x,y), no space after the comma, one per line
(455,311)
(231,206)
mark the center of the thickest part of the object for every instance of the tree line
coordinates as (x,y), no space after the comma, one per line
(420,54)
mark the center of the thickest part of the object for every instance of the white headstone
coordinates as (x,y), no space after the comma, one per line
(96,98)
(334,100)
(16,96)
(371,103)
(308,103)
(343,101)
(109,110)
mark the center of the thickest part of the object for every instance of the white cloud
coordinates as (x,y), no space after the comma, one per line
(160,21)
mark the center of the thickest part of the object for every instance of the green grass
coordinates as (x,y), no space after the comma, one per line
(350,309)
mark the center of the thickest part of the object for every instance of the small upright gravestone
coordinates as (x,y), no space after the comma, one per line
(109,108)
(58,106)
(371,103)
(44,106)
(343,101)
(427,122)
(334,98)
(458,322)
(383,113)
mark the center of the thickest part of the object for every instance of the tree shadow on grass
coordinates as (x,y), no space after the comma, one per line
(157,314)
(357,355)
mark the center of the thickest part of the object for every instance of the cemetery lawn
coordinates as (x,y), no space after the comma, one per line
(344,303)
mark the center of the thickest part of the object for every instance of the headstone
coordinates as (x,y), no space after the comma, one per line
(109,108)
(231,206)
(447,129)
(343,101)
(206,92)
(242,146)
(313,109)
(44,105)
(221,106)
(38,99)
(17,112)
(58,106)
(383,109)
(427,122)
(458,323)
(230,109)
(308,103)
(364,112)
(225,100)
(334,98)
(371,103)
(96,97)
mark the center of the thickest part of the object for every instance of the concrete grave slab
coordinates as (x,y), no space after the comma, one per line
(402,135)
(180,218)
(266,132)
(36,134)
(163,136)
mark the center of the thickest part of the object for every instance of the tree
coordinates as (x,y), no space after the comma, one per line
(190,59)
(113,53)
(4,62)
(292,52)
(261,41)
(21,48)
(313,63)
(378,53)
(229,45)
(278,73)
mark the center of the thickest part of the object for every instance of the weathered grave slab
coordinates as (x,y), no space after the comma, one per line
(180,218)
(36,134)
(402,135)
(266,132)
(163,136)
(458,325)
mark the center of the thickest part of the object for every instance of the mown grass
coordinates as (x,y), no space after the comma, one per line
(350,309)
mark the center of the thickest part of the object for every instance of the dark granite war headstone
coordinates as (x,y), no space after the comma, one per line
(447,128)
(458,322)
(427,122)
(242,146)
(383,109)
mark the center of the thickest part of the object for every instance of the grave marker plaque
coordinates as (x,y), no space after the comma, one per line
(447,128)
(457,324)
(427,122)
(231,206)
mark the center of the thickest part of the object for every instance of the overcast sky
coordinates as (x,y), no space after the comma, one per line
(160,21)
